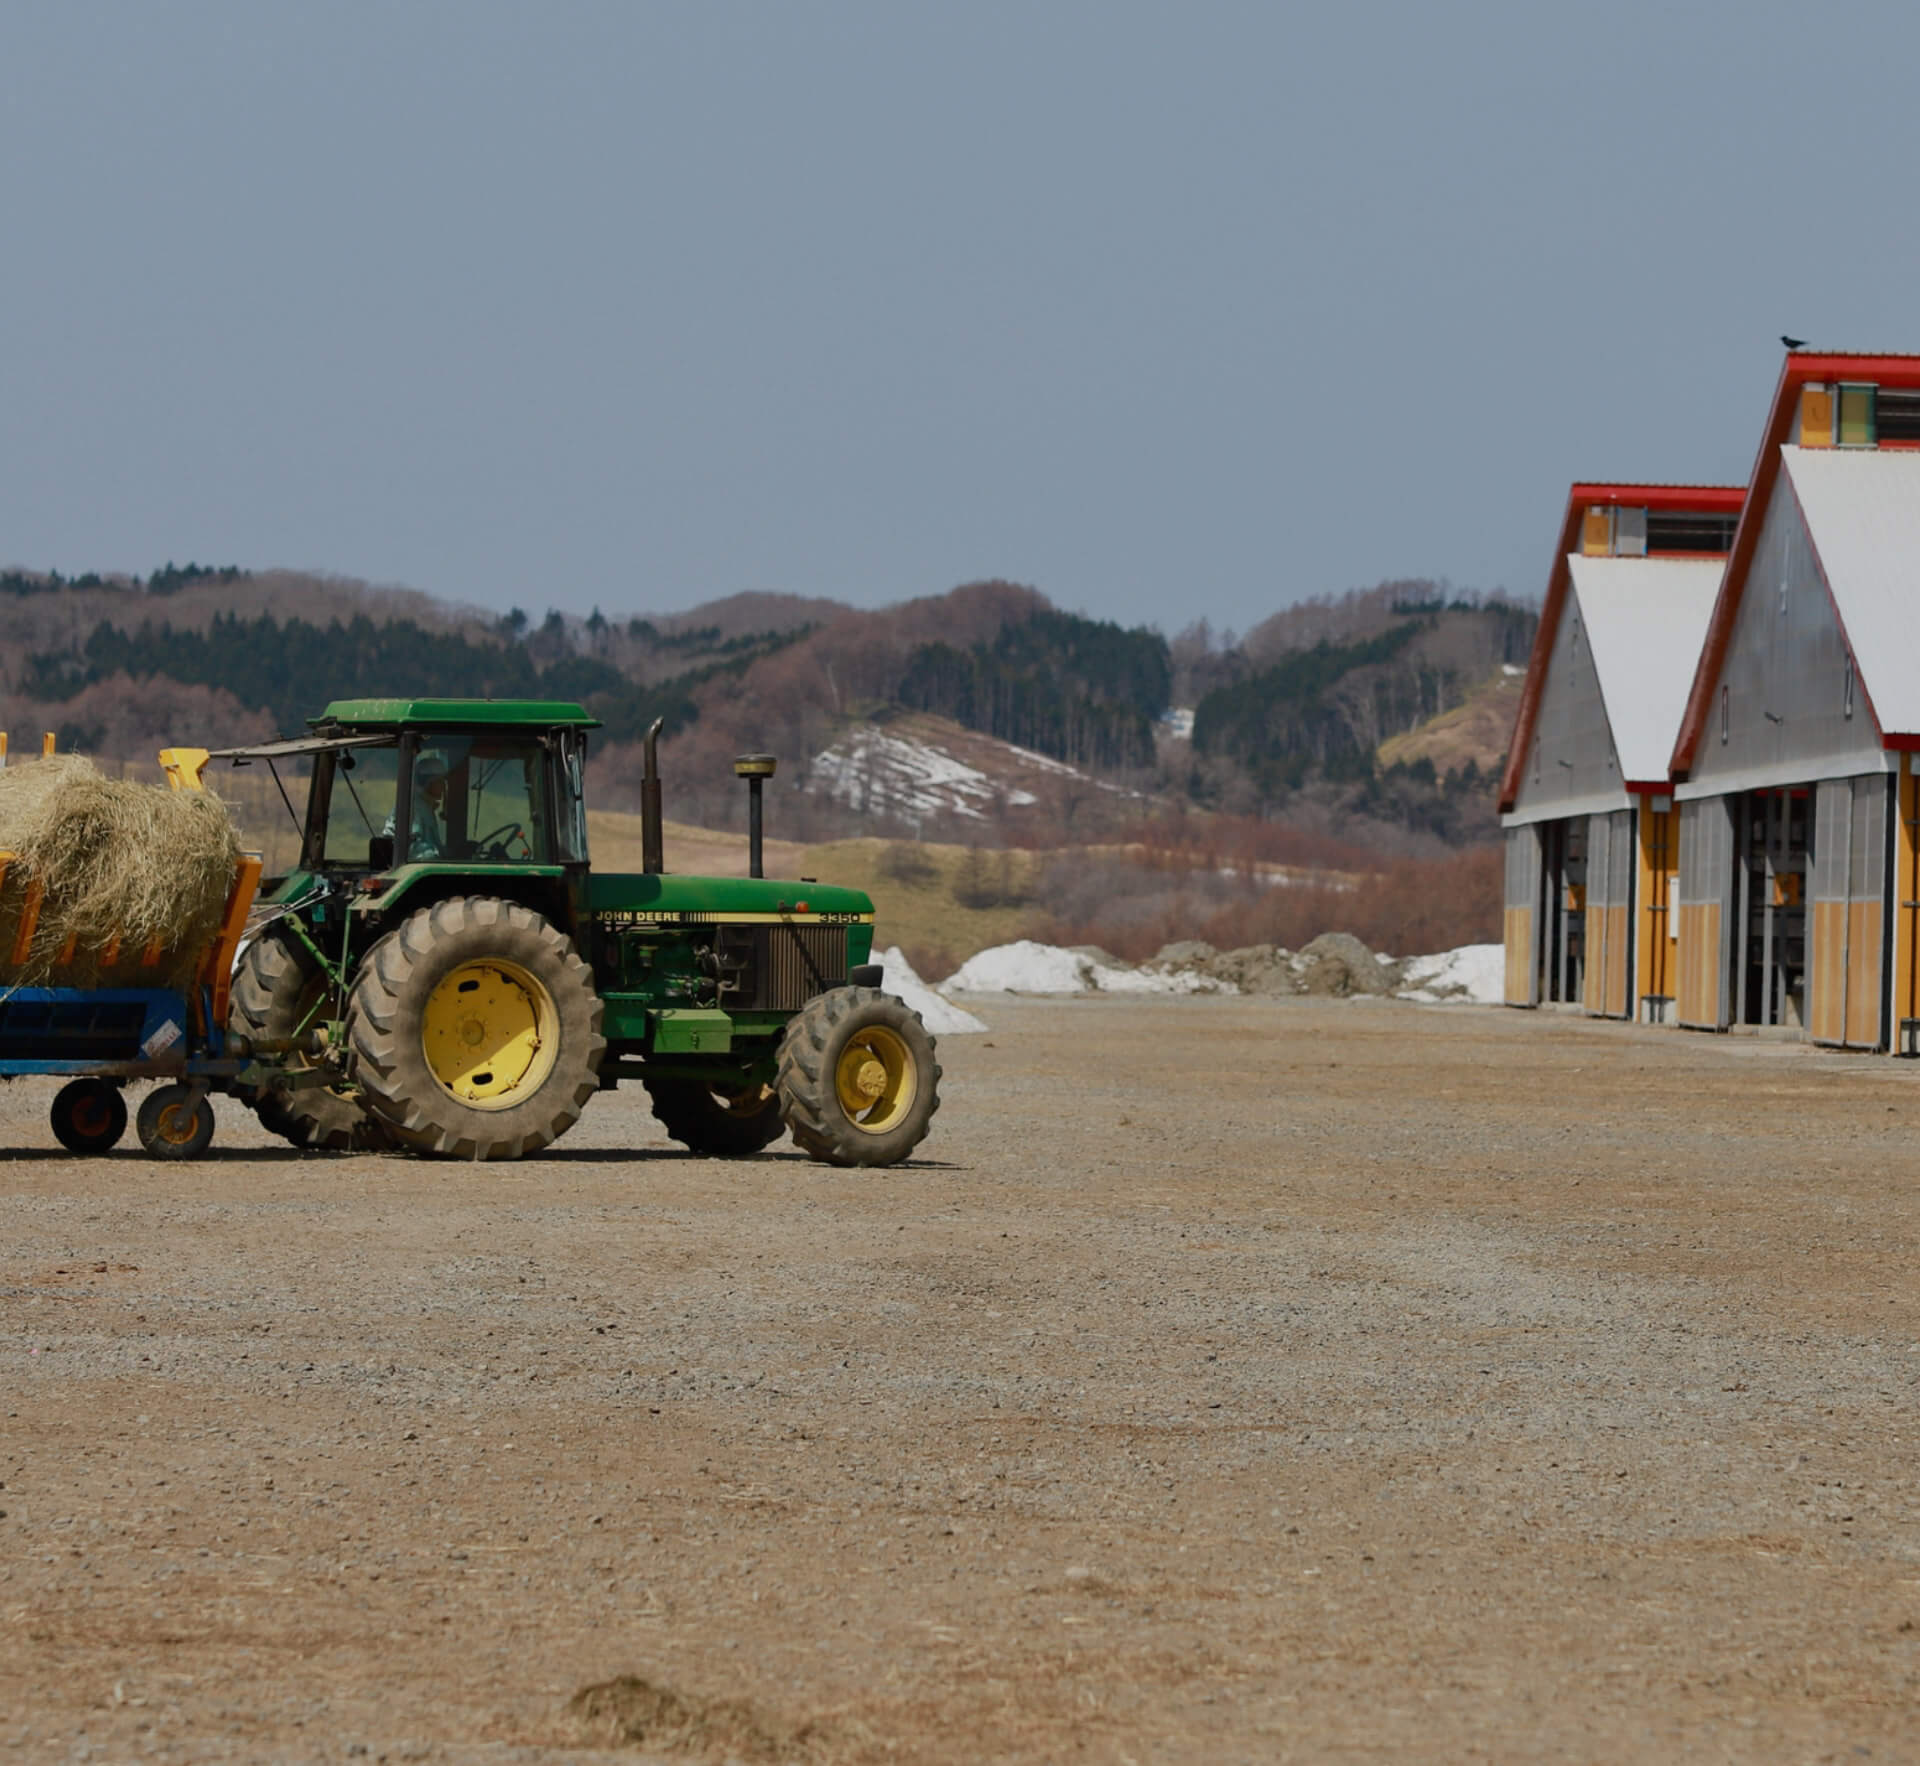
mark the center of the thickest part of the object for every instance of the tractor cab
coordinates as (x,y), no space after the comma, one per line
(466,782)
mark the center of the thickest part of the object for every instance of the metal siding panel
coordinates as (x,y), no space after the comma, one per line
(1706,913)
(1519,951)
(1863,974)
(1785,669)
(1619,1000)
(1827,916)
(1866,920)
(1609,893)
(1524,862)
(1593,989)
(1572,740)
(1697,1000)
(1827,958)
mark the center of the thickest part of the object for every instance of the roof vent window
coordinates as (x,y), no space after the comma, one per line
(1681,530)
(1896,416)
(1816,417)
(1856,427)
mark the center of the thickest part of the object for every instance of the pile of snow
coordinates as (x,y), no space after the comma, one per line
(1475,974)
(941,1016)
(1335,965)
(1027,967)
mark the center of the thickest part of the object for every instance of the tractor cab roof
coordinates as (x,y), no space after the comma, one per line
(535,714)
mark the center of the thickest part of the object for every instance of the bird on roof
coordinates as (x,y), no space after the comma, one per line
(1793,343)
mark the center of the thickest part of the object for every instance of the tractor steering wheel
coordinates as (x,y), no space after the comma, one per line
(494,845)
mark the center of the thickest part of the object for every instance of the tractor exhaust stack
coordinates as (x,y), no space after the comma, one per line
(756,769)
(652,846)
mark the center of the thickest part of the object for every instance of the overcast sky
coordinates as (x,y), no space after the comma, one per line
(1166,309)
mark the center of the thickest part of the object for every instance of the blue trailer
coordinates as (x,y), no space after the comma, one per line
(124,1027)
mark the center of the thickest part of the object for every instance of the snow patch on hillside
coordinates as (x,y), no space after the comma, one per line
(877,773)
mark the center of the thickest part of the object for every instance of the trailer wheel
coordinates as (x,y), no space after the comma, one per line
(175,1122)
(277,992)
(474,1030)
(89,1116)
(858,1081)
(724,1123)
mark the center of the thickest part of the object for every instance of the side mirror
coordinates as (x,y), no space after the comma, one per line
(380,853)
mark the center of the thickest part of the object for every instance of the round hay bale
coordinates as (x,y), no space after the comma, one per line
(114,860)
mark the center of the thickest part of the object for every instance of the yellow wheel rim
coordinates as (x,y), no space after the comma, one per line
(175,1125)
(875,1079)
(490,1034)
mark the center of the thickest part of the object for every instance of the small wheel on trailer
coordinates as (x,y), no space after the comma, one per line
(724,1122)
(175,1122)
(89,1116)
(858,1081)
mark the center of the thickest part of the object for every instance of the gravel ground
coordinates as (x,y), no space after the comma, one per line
(1233,1380)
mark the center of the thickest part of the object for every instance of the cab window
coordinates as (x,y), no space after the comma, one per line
(478,800)
(360,788)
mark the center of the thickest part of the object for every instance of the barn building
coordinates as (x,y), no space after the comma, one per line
(1586,797)
(1793,766)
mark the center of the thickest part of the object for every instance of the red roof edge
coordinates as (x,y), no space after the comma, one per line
(1726,499)
(1708,499)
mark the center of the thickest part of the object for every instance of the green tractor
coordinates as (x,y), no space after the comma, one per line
(450,976)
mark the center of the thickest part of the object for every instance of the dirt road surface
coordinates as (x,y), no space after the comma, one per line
(1231,1381)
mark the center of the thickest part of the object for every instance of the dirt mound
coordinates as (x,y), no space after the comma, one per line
(1336,965)
(1340,965)
(632,1712)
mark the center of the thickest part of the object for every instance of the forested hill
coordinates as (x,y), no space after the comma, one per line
(1081,691)
(93,657)
(119,666)
(1326,709)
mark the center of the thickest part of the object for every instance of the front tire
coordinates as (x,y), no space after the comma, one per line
(713,1120)
(858,1082)
(474,1031)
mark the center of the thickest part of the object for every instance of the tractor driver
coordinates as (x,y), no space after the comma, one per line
(427,838)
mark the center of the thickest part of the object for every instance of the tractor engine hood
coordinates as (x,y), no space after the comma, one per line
(668,899)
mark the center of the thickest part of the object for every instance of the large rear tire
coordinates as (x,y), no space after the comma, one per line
(279,993)
(858,1082)
(721,1123)
(474,1031)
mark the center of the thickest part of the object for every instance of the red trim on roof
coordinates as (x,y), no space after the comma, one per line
(1707,499)
(1714,499)
(1798,371)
